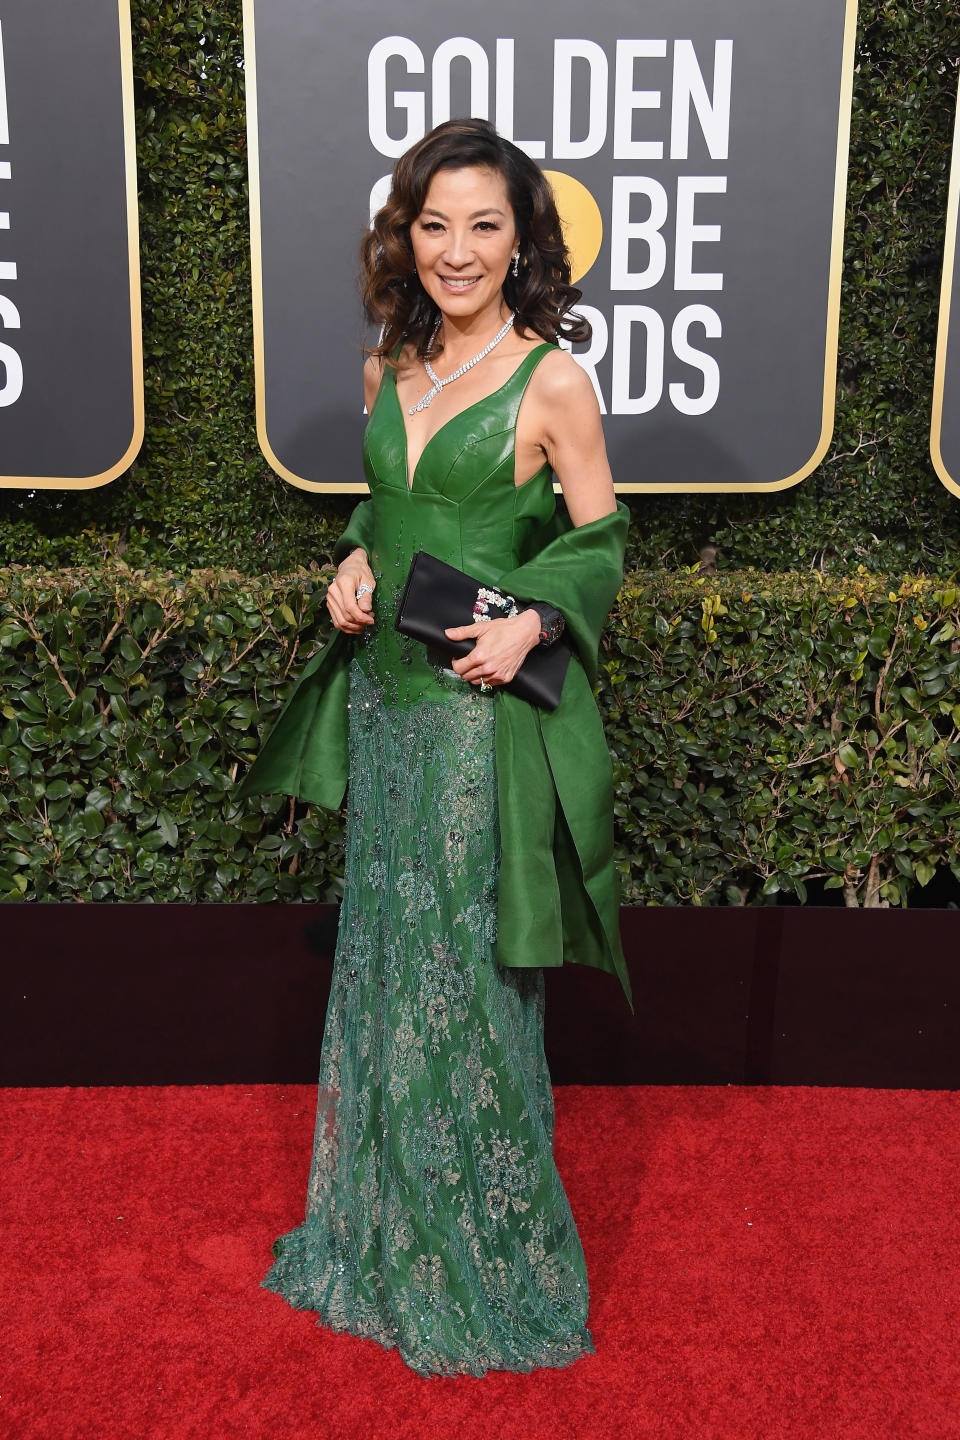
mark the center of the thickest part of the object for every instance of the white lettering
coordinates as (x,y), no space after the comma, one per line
(412,101)
(536,149)
(623,230)
(624,319)
(689,234)
(564,54)
(575,61)
(626,100)
(12,387)
(457,49)
(689,88)
(4,119)
(635,345)
(697,359)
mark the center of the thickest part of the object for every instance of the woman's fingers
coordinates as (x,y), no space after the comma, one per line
(360,611)
(501,648)
(468,668)
(346,611)
(477,666)
(339,619)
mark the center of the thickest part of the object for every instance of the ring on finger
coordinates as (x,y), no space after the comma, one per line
(363,590)
(484,686)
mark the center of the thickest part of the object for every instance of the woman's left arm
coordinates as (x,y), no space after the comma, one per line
(561,417)
(566,416)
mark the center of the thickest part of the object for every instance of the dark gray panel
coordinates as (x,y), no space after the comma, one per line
(318,165)
(946,435)
(68,238)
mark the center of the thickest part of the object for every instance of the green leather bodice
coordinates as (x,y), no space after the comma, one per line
(463,507)
(557,887)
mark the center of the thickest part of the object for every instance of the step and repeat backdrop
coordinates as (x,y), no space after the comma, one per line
(698,154)
(699,167)
(71,370)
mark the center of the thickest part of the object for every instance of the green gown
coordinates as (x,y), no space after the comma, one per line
(436,1220)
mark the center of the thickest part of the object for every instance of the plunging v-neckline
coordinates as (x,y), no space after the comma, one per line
(411,479)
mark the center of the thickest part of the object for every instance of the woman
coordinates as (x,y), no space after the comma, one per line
(479,829)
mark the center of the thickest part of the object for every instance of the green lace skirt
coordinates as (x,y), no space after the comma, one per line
(436,1220)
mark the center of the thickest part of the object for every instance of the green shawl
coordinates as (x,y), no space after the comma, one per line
(557,892)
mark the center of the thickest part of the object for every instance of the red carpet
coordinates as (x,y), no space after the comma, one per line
(764,1263)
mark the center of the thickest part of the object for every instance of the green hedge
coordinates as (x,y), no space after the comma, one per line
(201,494)
(768,732)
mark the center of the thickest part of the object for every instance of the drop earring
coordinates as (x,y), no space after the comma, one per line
(516,264)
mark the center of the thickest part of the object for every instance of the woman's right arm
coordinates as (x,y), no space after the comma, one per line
(347,612)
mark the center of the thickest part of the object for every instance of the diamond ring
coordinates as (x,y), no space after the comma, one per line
(363,590)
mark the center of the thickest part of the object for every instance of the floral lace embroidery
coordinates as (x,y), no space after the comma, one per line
(436,1220)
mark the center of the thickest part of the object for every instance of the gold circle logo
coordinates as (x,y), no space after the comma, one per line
(581,220)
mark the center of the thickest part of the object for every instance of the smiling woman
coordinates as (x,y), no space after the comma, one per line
(463,240)
(479,839)
(538,289)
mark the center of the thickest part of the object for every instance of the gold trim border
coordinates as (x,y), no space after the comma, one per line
(943,322)
(630,487)
(256,272)
(90,482)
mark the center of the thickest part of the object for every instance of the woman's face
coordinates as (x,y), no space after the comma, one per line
(464,240)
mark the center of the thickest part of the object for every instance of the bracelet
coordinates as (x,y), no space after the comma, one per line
(552,623)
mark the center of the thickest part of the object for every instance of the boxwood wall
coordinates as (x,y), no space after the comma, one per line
(770,733)
(777,736)
(200,493)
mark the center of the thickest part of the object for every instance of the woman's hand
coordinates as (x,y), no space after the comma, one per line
(347,612)
(501,648)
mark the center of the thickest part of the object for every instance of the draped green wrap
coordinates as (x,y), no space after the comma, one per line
(558,893)
(558,896)
(479,849)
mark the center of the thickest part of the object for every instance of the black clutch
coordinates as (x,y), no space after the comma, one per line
(438,596)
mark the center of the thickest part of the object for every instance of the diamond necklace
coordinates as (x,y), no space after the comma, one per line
(438,384)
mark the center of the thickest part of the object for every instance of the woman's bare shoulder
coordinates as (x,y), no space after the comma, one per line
(560,380)
(372,375)
(562,392)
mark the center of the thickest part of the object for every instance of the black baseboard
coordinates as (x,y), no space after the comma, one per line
(221,994)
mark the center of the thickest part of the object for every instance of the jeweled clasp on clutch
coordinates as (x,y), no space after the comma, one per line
(487,597)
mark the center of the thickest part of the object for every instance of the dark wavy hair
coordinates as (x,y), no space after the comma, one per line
(541,294)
